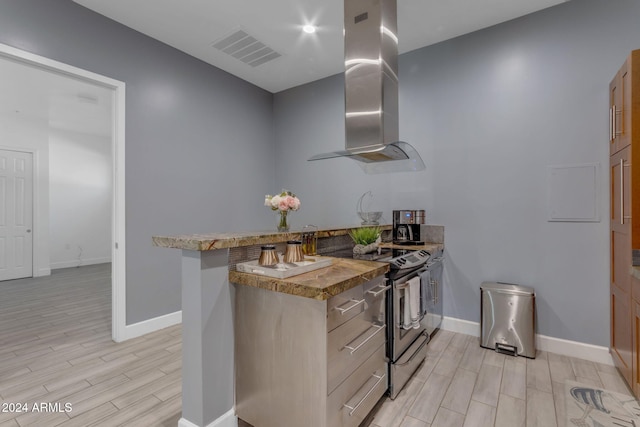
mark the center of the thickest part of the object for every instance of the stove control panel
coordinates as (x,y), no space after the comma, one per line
(410,260)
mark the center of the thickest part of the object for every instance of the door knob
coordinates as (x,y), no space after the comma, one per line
(28,230)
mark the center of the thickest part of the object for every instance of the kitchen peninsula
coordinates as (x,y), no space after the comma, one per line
(208,301)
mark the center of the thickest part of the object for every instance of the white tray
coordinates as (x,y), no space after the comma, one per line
(282,271)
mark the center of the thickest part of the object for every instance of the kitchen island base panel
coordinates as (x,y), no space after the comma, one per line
(288,347)
(281,358)
(207,337)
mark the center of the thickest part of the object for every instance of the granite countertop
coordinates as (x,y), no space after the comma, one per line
(321,284)
(213,241)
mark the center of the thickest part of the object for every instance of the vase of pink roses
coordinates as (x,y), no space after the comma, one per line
(284,202)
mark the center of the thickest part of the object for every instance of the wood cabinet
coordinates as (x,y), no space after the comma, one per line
(620,262)
(624,148)
(620,109)
(635,326)
(621,335)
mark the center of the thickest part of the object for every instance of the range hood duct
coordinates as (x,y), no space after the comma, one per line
(371,90)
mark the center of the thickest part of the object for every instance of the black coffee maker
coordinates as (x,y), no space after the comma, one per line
(406,227)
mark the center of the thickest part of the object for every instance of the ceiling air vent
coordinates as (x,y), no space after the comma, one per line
(246,48)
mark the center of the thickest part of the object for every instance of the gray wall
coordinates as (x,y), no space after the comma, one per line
(488,112)
(199,152)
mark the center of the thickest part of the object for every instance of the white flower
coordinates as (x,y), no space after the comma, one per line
(275,202)
(267,200)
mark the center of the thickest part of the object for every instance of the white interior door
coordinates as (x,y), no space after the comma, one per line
(16,214)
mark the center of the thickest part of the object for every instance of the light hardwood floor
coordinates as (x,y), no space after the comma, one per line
(55,347)
(463,385)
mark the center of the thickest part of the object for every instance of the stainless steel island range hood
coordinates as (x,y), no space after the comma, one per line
(371,90)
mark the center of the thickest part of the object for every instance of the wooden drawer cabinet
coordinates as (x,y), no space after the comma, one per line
(621,336)
(624,167)
(620,281)
(635,323)
(620,109)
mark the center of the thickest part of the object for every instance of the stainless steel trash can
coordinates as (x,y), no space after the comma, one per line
(507,318)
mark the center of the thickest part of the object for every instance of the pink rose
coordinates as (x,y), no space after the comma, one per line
(293,202)
(283,205)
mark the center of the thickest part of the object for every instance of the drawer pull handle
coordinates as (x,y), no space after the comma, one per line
(354,349)
(376,293)
(434,291)
(355,408)
(611,124)
(354,305)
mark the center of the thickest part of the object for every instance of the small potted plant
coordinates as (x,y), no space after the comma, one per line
(366,239)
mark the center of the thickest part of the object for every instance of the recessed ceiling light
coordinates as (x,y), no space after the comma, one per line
(309,29)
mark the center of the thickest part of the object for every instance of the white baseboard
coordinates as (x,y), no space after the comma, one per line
(79,263)
(593,353)
(46,271)
(152,325)
(229,419)
(461,326)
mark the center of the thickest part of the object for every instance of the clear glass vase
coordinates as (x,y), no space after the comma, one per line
(283,225)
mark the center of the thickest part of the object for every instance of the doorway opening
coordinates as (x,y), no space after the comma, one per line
(16,215)
(115,90)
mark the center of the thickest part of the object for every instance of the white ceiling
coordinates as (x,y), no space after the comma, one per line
(61,102)
(194,25)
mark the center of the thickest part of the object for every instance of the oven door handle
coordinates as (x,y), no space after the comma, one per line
(404,284)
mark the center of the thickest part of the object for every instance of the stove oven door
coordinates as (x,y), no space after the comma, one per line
(400,339)
(432,299)
(401,371)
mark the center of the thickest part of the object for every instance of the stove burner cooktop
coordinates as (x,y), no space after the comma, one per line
(402,262)
(384,256)
(410,260)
